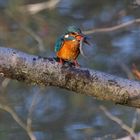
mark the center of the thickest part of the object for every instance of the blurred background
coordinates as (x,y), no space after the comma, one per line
(33,26)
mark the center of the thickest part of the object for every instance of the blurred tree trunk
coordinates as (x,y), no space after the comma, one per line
(47,72)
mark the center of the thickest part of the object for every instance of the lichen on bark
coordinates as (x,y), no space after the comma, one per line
(46,71)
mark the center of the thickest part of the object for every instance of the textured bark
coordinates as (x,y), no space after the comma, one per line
(46,71)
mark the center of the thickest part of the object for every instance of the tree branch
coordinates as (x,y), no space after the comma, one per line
(46,71)
(120,122)
(18,120)
(37,7)
(113,28)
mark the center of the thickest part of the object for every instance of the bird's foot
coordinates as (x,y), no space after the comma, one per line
(61,61)
(76,63)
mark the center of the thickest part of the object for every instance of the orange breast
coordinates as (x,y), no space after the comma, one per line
(69,50)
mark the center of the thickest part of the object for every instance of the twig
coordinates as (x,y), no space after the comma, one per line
(18,120)
(13,114)
(4,106)
(31,109)
(134,121)
(35,36)
(5,82)
(30,32)
(120,122)
(35,8)
(110,29)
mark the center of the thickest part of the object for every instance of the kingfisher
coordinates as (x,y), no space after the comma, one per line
(69,45)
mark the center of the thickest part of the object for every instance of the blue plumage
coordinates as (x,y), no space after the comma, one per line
(58,44)
(60,41)
(69,45)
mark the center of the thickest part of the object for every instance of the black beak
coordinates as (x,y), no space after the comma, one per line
(86,40)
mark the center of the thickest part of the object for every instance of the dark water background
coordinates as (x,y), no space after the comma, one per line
(58,115)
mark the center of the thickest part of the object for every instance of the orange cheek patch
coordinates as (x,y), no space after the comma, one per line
(79,37)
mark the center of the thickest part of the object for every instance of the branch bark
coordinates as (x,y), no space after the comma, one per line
(46,71)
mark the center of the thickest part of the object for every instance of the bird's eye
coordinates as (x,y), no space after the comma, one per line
(73,33)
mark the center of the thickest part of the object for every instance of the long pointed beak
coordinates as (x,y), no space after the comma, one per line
(86,40)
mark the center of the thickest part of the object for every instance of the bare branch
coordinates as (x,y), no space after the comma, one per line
(31,109)
(110,29)
(35,8)
(6,107)
(120,122)
(46,71)
(13,114)
(36,37)
(134,120)
(17,119)
(5,82)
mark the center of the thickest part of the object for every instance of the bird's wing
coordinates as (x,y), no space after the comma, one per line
(58,44)
(60,41)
